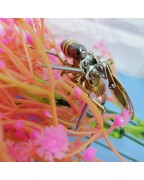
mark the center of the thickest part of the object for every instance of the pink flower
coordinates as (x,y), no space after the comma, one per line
(29,21)
(100,46)
(52,142)
(5,20)
(20,135)
(122,119)
(89,154)
(47,113)
(126,115)
(20,151)
(1,50)
(2,64)
(19,125)
(29,39)
(33,134)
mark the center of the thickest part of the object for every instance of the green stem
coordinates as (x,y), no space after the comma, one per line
(140,122)
(123,134)
(131,122)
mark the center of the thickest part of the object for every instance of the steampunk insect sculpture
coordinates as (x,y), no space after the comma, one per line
(89,72)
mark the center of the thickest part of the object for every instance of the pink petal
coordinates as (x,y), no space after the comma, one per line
(89,154)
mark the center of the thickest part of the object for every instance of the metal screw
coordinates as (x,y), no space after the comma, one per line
(111,86)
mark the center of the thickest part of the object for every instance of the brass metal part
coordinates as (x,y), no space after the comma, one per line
(98,89)
(119,91)
(100,107)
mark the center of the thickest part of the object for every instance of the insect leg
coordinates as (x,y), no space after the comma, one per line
(99,106)
(81,116)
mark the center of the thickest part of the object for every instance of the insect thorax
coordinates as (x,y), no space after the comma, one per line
(91,79)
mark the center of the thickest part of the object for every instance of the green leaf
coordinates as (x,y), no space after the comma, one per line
(140,122)
(137,131)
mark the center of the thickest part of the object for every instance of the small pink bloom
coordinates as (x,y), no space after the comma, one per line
(104,52)
(1,50)
(122,119)
(33,134)
(2,64)
(118,121)
(52,142)
(5,20)
(5,41)
(29,39)
(20,135)
(95,46)
(47,113)
(100,46)
(29,21)
(20,151)
(89,154)
(126,115)
(19,125)
(101,43)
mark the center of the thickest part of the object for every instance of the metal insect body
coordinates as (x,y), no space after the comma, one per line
(89,72)
(91,81)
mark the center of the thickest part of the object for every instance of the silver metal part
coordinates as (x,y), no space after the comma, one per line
(48,52)
(81,116)
(92,73)
(94,67)
(89,66)
(66,68)
(88,61)
(101,67)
